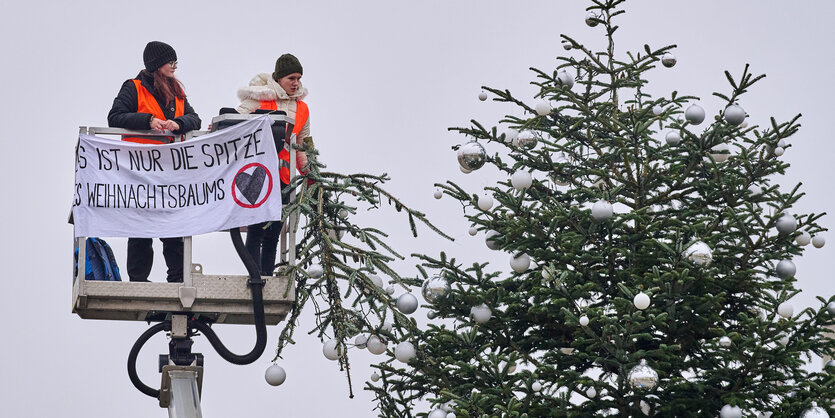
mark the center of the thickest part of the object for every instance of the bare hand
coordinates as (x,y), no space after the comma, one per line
(171,125)
(158,124)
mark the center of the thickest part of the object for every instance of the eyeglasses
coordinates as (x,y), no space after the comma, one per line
(173,64)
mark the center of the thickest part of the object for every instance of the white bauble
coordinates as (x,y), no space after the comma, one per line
(785,269)
(641,301)
(376,280)
(657,110)
(450,415)
(521,180)
(404,352)
(485,202)
(431,315)
(490,241)
(511,135)
(332,349)
(342,213)
(542,107)
(385,326)
(438,193)
(699,254)
(437,413)
(784,341)
(584,320)
(565,79)
(315,271)
(694,114)
(786,224)
(785,309)
(375,377)
(672,138)
(779,151)
(591,19)
(818,241)
(668,59)
(536,386)
(725,341)
(814,411)
(376,345)
(390,289)
(407,303)
(567,46)
(729,411)
(481,313)
(546,274)
(275,375)
(601,210)
(473,231)
(734,114)
(781,143)
(521,263)
(591,392)
(803,239)
(360,341)
(482,96)
(721,152)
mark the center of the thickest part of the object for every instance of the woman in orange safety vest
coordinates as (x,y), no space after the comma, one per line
(280,91)
(154,100)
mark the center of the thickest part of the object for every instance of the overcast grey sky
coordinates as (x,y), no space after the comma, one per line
(386,79)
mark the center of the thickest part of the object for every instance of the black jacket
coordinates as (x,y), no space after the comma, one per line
(124,113)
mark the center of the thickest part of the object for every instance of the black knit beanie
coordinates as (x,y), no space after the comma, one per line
(286,64)
(156,54)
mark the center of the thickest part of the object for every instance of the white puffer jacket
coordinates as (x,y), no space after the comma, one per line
(263,87)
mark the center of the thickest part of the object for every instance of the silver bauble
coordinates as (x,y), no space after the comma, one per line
(542,108)
(672,138)
(435,288)
(431,315)
(818,241)
(490,241)
(668,59)
(565,79)
(404,352)
(786,224)
(642,376)
(694,114)
(464,170)
(734,114)
(526,140)
(591,19)
(472,155)
(601,210)
(481,313)
(438,193)
(485,202)
(785,269)
(482,96)
(699,254)
(521,263)
(814,411)
(275,375)
(729,411)
(407,303)
(831,307)
(803,239)
(521,180)
(721,152)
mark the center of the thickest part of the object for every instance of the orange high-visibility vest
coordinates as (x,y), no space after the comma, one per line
(302,113)
(146,103)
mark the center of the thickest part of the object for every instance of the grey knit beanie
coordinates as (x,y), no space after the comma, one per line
(286,64)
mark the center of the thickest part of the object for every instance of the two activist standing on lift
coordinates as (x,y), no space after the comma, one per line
(155,100)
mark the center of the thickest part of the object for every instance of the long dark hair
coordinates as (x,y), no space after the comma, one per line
(167,88)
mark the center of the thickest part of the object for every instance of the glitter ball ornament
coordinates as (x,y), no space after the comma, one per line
(472,155)
(437,413)
(407,303)
(482,96)
(485,202)
(331,349)
(786,224)
(785,269)
(584,320)
(360,341)
(521,263)
(404,352)
(491,240)
(315,271)
(542,108)
(785,309)
(375,377)
(725,341)
(521,180)
(435,288)
(641,301)
(734,114)
(481,313)
(672,138)
(818,241)
(729,411)
(601,210)
(536,386)
(668,60)
(642,376)
(803,239)
(814,411)
(275,375)
(591,19)
(526,140)
(438,193)
(699,254)
(472,231)
(565,79)
(721,152)
(376,345)
(694,114)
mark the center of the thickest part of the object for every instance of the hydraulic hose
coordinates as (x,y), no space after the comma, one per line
(256,286)
(134,352)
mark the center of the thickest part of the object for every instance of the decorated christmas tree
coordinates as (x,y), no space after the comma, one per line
(650,249)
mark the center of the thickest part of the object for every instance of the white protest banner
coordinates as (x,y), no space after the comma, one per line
(217,181)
